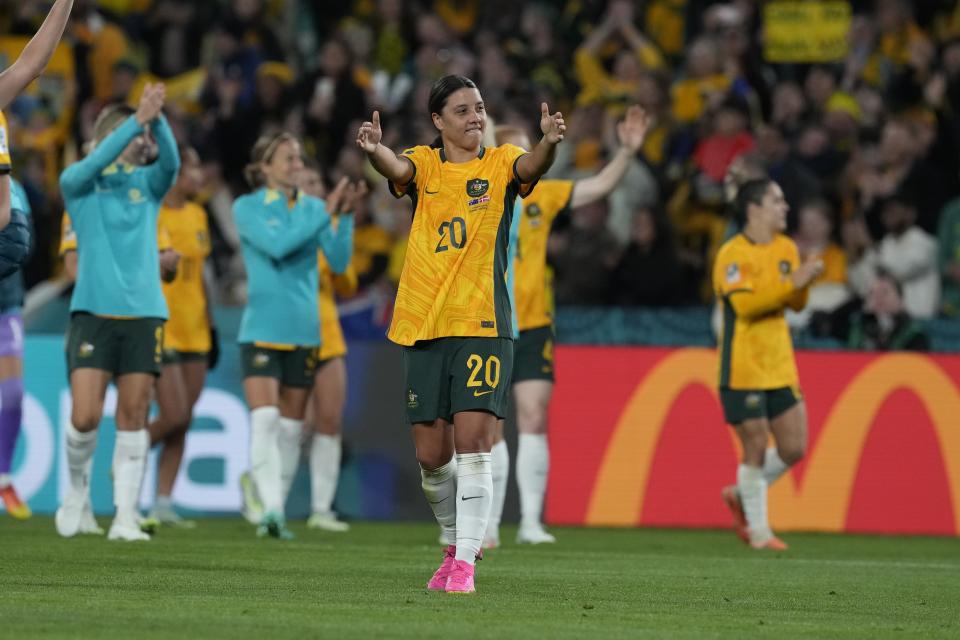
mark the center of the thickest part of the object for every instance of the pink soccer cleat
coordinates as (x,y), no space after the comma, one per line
(731,498)
(439,580)
(461,578)
(773,543)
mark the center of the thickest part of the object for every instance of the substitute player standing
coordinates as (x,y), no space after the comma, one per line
(452,312)
(757,276)
(533,372)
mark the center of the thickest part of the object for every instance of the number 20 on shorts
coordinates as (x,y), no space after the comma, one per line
(490,368)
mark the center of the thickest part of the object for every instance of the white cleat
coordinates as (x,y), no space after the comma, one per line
(327,522)
(88,524)
(534,535)
(127,531)
(70,514)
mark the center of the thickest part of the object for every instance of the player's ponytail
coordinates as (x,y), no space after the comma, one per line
(440,92)
(750,192)
(263,150)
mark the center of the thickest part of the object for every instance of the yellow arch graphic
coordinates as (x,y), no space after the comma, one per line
(822,502)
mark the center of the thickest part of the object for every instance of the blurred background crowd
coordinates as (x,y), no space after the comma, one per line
(851,106)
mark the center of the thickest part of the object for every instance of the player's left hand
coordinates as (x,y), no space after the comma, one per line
(169,261)
(354,194)
(552,126)
(632,130)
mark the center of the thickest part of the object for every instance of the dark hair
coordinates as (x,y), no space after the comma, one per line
(750,192)
(441,91)
(263,150)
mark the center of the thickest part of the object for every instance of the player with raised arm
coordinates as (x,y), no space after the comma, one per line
(118,309)
(757,276)
(533,370)
(452,313)
(281,229)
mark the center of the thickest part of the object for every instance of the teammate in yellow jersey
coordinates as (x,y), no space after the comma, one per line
(325,411)
(189,339)
(757,276)
(452,312)
(533,373)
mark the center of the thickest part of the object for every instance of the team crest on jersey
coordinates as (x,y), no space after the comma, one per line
(477,187)
(86,350)
(413,400)
(136,197)
(785,267)
(534,212)
(733,273)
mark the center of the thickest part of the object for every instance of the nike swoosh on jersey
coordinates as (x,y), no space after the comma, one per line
(477,394)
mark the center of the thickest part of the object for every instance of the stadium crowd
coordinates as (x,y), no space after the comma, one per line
(865,147)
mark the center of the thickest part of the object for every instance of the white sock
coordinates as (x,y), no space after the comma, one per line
(129,463)
(773,466)
(753,497)
(163,503)
(533,464)
(500,467)
(474,495)
(265,463)
(289,432)
(324,471)
(440,487)
(80,448)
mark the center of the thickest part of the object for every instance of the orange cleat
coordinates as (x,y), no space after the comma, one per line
(773,544)
(15,507)
(732,499)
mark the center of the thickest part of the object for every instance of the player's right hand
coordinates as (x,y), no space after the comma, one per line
(369,135)
(151,102)
(809,271)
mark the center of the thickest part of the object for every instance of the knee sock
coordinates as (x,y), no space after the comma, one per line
(265,465)
(11,417)
(129,462)
(474,495)
(289,433)
(773,466)
(500,472)
(325,453)
(80,448)
(753,497)
(440,488)
(533,464)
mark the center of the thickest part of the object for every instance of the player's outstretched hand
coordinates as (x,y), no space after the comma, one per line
(335,198)
(809,271)
(632,130)
(151,102)
(552,126)
(369,135)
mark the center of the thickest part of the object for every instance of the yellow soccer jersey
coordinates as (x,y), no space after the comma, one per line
(186,228)
(753,282)
(531,284)
(332,344)
(453,279)
(4,145)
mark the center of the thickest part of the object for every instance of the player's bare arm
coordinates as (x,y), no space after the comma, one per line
(536,163)
(385,161)
(36,54)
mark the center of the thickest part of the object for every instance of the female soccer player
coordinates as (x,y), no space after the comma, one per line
(281,230)
(533,374)
(329,394)
(188,336)
(452,312)
(118,310)
(11,338)
(757,276)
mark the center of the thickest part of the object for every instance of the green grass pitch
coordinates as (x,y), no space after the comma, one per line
(219,581)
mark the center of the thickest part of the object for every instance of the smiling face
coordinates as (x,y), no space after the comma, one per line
(282,169)
(463,119)
(771,213)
